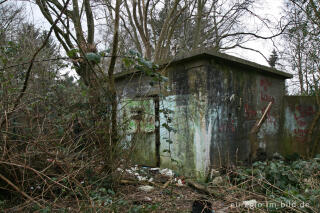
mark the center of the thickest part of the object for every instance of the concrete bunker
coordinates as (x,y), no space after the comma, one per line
(210,103)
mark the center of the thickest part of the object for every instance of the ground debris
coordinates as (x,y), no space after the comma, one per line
(162,188)
(217,180)
(146,188)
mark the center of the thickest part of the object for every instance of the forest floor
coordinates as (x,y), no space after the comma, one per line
(165,193)
(270,186)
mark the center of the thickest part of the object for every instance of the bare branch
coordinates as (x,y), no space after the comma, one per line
(256,35)
(3,1)
(247,48)
(90,21)
(19,190)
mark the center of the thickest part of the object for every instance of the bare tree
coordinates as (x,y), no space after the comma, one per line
(303,55)
(10,19)
(303,43)
(163,28)
(142,30)
(76,34)
(72,36)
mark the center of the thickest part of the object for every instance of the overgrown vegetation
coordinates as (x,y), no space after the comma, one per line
(61,141)
(279,185)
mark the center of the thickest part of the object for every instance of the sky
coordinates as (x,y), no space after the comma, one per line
(270,8)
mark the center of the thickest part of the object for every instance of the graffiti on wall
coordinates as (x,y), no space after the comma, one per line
(265,95)
(302,116)
(250,113)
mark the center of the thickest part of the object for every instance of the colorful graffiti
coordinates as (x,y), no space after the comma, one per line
(266,98)
(251,114)
(265,84)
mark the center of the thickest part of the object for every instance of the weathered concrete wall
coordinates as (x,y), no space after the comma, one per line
(136,85)
(215,104)
(211,106)
(299,112)
(138,120)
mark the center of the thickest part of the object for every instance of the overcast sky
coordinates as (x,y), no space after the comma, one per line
(270,8)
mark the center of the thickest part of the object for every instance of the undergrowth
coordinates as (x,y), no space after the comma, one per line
(277,185)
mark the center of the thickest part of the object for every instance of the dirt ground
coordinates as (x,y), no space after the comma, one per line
(166,194)
(171,199)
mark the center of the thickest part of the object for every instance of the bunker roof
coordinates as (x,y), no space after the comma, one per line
(212,54)
(209,53)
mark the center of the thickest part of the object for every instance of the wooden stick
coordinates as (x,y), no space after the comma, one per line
(259,123)
(166,184)
(202,188)
(255,130)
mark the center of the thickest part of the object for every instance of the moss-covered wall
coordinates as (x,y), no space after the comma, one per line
(211,106)
(215,105)
(299,112)
(138,120)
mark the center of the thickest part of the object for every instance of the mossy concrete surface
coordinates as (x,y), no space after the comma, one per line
(299,112)
(207,109)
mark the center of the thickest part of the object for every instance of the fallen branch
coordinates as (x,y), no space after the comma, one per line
(202,188)
(40,174)
(129,182)
(166,184)
(20,191)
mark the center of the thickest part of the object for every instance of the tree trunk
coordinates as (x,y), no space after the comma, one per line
(112,88)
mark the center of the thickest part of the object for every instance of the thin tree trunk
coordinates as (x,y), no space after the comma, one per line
(198,27)
(112,88)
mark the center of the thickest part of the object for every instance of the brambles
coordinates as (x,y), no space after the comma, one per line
(288,186)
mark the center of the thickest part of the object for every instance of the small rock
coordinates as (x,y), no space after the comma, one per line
(146,188)
(150,180)
(147,199)
(217,180)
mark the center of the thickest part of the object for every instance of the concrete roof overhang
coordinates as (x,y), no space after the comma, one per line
(207,53)
(212,54)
